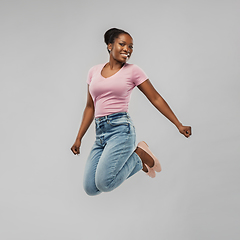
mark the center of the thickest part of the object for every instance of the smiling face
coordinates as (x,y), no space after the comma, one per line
(122,48)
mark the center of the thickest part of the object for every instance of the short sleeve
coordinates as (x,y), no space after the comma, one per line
(138,75)
(90,74)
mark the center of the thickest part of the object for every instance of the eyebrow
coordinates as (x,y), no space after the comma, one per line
(125,42)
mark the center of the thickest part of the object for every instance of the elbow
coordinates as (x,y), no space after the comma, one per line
(90,109)
(156,100)
(159,103)
(90,104)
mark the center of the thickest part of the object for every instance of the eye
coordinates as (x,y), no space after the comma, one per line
(122,44)
(131,46)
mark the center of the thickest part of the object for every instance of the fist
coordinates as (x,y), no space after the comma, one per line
(76,147)
(185,130)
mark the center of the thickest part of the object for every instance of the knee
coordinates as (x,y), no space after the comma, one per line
(90,189)
(103,185)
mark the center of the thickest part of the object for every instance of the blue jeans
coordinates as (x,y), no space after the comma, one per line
(112,159)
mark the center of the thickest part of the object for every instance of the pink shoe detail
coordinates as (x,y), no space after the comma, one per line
(156,167)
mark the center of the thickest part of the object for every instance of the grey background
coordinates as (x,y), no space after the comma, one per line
(190,51)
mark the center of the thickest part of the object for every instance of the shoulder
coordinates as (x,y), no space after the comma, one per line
(134,68)
(138,75)
(93,71)
(96,67)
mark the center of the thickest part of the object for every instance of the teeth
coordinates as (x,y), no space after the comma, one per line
(126,55)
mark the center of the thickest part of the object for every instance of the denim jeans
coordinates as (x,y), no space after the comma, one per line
(112,159)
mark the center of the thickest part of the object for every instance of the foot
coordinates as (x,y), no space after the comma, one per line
(147,162)
(151,173)
(156,164)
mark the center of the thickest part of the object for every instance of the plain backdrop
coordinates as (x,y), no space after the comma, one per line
(190,51)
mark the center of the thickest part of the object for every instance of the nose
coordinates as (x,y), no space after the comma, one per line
(126,49)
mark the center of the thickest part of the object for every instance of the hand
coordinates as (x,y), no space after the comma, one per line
(76,147)
(185,130)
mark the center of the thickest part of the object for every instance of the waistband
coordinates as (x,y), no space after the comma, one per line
(112,116)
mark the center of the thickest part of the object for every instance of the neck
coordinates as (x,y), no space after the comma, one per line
(113,64)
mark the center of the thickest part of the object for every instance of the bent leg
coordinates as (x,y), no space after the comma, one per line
(136,169)
(117,162)
(90,170)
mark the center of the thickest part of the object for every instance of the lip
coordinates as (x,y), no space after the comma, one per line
(125,55)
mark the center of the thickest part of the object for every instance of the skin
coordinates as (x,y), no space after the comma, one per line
(124,45)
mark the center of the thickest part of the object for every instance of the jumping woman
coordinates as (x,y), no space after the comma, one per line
(114,156)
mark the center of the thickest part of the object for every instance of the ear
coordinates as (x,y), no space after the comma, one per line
(110,47)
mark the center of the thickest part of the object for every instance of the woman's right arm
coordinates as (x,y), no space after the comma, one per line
(88,116)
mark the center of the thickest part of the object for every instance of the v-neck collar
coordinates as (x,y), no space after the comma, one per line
(113,74)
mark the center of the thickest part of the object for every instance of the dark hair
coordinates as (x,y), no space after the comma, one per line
(111,34)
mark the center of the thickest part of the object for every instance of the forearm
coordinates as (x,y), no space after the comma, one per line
(88,116)
(164,108)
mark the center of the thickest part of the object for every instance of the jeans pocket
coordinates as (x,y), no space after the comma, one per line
(118,121)
(121,123)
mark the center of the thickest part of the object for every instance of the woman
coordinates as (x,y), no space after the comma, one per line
(114,156)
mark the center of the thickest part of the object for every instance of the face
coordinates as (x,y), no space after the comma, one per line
(122,48)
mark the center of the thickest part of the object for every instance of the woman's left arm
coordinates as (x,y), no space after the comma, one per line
(155,98)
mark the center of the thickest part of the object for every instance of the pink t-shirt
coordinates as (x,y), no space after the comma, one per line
(112,94)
